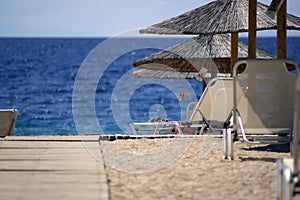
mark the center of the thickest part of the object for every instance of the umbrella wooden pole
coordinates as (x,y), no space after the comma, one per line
(281,30)
(234,50)
(252,29)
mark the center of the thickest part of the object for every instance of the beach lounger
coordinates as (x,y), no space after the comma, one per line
(263,103)
(7,121)
(287,169)
(209,112)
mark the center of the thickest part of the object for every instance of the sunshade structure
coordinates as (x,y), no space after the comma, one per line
(160,74)
(222,16)
(225,16)
(209,51)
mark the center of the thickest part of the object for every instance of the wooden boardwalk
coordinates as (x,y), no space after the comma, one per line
(50,167)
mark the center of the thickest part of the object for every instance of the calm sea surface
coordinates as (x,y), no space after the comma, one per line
(37,75)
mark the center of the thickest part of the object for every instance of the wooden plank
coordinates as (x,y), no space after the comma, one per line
(39,169)
(234,50)
(281,31)
(55,138)
(252,29)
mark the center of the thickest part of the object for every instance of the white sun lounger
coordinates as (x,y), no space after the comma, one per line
(263,102)
(288,169)
(7,121)
(209,112)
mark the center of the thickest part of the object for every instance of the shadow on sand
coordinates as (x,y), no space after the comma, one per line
(278,148)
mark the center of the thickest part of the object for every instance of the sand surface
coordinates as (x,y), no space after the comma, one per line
(191,174)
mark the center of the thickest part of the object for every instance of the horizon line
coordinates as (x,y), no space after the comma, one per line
(137,36)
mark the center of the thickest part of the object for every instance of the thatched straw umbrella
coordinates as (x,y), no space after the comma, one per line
(224,16)
(159,74)
(209,51)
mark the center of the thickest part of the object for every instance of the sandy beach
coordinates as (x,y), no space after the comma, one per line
(251,175)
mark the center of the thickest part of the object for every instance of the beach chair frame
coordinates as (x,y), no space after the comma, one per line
(8,119)
(287,169)
(243,100)
(200,119)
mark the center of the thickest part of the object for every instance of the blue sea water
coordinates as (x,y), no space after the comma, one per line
(37,75)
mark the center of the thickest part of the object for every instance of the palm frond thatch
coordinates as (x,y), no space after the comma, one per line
(221,16)
(195,53)
(158,74)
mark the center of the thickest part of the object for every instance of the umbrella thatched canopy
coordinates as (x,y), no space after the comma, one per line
(202,51)
(159,74)
(222,16)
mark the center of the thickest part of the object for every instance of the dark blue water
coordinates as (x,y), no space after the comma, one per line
(37,76)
